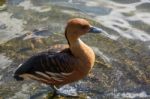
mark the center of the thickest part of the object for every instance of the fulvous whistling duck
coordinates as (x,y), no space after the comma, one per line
(71,63)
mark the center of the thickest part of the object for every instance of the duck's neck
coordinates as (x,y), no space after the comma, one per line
(83,52)
(79,48)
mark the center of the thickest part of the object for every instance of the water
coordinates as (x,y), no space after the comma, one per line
(122,64)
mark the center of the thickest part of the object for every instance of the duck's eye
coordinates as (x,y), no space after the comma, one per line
(84,27)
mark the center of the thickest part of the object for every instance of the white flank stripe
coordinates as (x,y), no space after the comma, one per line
(27,76)
(53,74)
(57,79)
(42,74)
(66,74)
(32,76)
(56,75)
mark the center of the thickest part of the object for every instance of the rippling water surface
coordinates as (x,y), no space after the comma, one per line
(122,67)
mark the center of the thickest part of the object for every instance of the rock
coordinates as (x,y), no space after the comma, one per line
(2,25)
(38,33)
(3,7)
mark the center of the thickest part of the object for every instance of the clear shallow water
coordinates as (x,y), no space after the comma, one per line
(123,64)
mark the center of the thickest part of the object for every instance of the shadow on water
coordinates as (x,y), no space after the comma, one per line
(122,61)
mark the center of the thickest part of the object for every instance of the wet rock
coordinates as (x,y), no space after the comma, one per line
(20,95)
(4,62)
(144,7)
(70,90)
(2,26)
(38,33)
(2,5)
(102,58)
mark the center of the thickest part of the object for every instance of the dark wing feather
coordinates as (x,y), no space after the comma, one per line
(61,62)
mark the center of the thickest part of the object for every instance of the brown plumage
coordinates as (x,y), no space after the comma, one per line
(67,64)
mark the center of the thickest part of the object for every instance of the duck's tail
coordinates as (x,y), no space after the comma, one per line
(17,73)
(26,68)
(18,78)
(22,69)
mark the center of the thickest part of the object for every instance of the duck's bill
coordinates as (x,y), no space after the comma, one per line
(95,30)
(98,30)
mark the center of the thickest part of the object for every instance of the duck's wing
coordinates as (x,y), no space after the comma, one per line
(47,67)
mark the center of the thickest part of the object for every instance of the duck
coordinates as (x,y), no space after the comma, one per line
(62,64)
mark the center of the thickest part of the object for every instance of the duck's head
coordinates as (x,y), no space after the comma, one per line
(77,27)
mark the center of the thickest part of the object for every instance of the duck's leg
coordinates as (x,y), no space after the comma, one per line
(55,91)
(58,93)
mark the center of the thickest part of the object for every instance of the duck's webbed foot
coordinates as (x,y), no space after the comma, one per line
(58,93)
